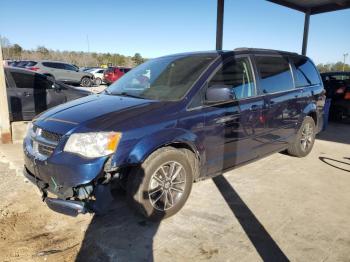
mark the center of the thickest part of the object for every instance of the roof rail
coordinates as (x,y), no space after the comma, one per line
(262,50)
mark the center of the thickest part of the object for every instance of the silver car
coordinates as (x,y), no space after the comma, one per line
(62,72)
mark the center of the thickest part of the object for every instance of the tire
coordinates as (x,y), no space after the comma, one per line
(98,81)
(304,140)
(86,81)
(154,195)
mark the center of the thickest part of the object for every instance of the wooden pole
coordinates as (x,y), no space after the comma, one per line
(5,129)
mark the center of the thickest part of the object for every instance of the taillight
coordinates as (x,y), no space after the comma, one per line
(340,90)
(347,96)
(34,68)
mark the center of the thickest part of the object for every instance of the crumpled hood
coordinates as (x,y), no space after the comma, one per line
(96,111)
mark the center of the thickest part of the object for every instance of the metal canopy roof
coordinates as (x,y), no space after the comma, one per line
(314,6)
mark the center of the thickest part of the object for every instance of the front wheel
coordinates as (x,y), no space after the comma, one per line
(161,185)
(304,140)
(86,82)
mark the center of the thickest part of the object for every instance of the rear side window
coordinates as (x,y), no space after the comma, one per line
(54,65)
(23,80)
(305,72)
(275,74)
(49,64)
(31,63)
(41,82)
(70,67)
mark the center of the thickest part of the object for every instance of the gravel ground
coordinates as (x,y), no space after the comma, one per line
(275,209)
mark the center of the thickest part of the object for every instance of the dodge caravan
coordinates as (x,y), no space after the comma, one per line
(172,121)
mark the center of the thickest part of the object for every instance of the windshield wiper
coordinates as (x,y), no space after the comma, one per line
(127,95)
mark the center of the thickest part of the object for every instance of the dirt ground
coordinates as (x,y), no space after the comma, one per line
(277,209)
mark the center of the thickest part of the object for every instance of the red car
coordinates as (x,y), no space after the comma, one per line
(112,74)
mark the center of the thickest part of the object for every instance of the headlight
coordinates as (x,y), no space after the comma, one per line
(93,145)
(30,131)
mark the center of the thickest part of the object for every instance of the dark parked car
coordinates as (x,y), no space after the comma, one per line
(172,121)
(30,93)
(112,74)
(337,85)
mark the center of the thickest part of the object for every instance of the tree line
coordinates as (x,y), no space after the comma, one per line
(16,52)
(331,67)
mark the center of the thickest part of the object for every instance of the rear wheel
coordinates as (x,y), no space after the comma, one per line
(161,185)
(86,81)
(304,140)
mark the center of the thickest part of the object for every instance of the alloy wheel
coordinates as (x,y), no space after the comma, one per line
(167,185)
(307,136)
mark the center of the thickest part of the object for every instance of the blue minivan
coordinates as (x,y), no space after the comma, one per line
(172,121)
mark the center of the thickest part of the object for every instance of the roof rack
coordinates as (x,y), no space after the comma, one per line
(262,50)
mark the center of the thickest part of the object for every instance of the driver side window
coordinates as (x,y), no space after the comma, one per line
(237,75)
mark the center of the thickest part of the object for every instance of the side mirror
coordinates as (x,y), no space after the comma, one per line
(219,93)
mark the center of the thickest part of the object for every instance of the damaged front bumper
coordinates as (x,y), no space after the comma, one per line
(101,193)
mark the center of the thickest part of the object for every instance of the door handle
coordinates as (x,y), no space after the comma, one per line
(26,94)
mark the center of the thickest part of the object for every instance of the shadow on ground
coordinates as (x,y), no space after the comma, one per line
(336,163)
(122,236)
(119,235)
(336,132)
(264,244)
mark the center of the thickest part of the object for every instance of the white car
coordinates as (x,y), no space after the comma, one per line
(98,75)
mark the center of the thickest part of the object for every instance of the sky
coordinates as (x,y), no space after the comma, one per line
(160,27)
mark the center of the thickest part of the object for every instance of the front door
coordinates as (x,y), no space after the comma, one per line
(231,127)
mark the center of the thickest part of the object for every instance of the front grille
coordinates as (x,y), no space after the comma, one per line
(44,142)
(51,136)
(45,150)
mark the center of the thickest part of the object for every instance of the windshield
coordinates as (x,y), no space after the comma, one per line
(167,78)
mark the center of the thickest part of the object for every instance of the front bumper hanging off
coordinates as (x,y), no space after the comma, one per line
(99,206)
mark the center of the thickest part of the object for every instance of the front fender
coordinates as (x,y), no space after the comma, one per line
(150,143)
(310,108)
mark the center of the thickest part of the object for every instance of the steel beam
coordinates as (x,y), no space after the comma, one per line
(220,24)
(306,33)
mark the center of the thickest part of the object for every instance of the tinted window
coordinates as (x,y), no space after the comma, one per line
(23,80)
(275,74)
(54,65)
(31,63)
(36,81)
(306,73)
(100,71)
(49,64)
(41,82)
(69,67)
(22,63)
(236,74)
